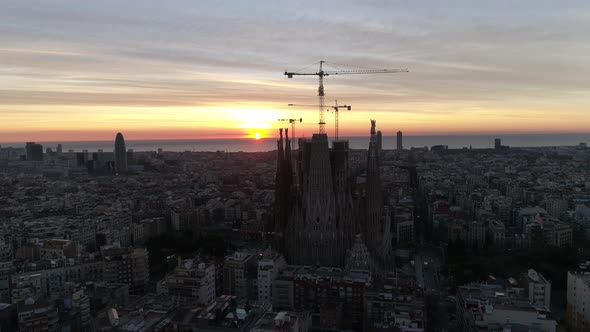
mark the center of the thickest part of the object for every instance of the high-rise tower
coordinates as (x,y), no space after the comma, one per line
(400,145)
(120,154)
(379,141)
(34,151)
(497,143)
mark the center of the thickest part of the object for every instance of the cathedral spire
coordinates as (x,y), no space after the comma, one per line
(373,161)
(375,227)
(279,185)
(280,153)
(287,145)
(287,171)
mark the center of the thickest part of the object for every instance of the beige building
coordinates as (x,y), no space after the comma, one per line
(191,283)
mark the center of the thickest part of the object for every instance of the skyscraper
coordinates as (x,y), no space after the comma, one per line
(400,145)
(120,154)
(34,151)
(497,143)
(379,141)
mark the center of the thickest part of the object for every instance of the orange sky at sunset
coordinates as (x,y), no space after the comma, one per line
(99,123)
(211,70)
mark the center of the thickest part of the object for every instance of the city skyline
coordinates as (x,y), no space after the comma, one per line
(223,166)
(159,72)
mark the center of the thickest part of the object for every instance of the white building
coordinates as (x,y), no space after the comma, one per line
(538,289)
(491,307)
(268,269)
(286,321)
(578,300)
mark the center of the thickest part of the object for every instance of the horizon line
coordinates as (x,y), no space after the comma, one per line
(267,138)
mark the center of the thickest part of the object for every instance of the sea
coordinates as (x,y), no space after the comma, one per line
(356,142)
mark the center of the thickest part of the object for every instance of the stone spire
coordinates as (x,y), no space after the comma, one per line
(288,164)
(280,153)
(279,188)
(287,176)
(373,161)
(377,218)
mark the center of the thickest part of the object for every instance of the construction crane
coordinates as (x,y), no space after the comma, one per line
(323,73)
(336,107)
(293,121)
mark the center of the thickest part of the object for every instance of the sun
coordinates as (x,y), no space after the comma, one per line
(257,136)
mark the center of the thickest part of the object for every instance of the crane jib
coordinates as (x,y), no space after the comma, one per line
(321,73)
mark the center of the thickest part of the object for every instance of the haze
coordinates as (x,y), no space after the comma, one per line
(74,70)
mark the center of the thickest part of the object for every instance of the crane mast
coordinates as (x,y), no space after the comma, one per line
(321,99)
(336,108)
(322,73)
(293,121)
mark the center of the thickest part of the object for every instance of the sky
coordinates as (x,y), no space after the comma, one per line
(84,70)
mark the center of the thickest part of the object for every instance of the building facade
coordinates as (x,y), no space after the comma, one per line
(268,270)
(538,289)
(239,274)
(494,307)
(191,283)
(578,301)
(320,203)
(128,266)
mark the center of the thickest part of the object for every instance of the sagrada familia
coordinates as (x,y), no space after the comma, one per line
(322,215)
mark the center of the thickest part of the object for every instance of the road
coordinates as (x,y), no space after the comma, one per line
(428,262)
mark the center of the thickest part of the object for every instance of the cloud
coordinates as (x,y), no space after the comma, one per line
(463,56)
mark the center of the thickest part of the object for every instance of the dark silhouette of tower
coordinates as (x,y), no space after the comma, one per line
(314,215)
(400,145)
(497,143)
(120,154)
(379,141)
(319,211)
(283,183)
(378,223)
